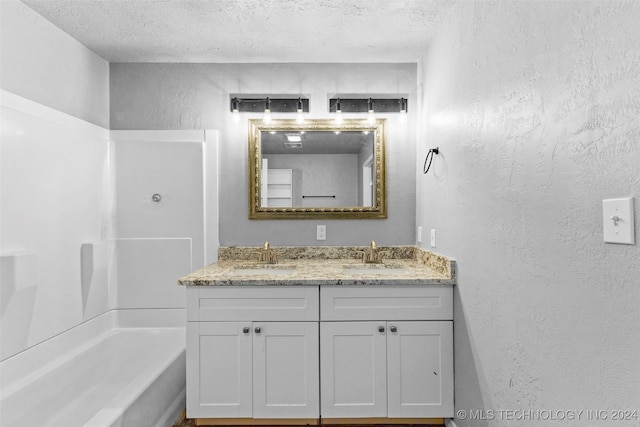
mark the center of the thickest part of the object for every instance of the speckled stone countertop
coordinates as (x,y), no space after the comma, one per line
(325,265)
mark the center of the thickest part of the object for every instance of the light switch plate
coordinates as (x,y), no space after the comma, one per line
(419,234)
(433,238)
(618,221)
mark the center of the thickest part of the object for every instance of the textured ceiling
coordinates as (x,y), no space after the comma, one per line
(249,30)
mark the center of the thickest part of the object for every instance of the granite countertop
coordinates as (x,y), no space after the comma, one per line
(324,265)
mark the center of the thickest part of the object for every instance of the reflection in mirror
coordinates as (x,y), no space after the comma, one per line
(317,170)
(326,169)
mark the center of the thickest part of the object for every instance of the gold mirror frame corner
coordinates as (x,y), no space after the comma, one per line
(377,211)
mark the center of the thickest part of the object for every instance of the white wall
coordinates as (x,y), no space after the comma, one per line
(54,192)
(156,242)
(40,62)
(536,109)
(196,96)
(54,179)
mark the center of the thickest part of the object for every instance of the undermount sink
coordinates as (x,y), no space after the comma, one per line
(373,269)
(264,270)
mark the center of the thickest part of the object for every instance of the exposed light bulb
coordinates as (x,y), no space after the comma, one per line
(266,117)
(300,112)
(371,116)
(403,111)
(235,110)
(339,119)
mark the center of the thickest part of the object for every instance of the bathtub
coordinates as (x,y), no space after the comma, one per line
(125,368)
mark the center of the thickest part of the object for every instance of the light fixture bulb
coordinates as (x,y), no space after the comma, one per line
(294,137)
(403,110)
(235,110)
(266,118)
(371,116)
(300,112)
(339,119)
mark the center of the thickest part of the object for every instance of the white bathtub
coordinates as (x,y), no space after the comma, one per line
(126,374)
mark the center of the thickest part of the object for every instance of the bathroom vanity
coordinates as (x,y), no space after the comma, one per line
(320,335)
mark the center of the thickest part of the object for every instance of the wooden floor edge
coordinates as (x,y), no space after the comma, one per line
(257,421)
(181,417)
(384,421)
(313,421)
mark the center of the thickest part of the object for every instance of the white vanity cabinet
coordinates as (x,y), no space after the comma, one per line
(386,352)
(304,352)
(252,352)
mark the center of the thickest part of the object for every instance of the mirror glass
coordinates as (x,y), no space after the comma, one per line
(317,169)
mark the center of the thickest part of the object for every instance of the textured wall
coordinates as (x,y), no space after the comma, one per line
(536,109)
(42,63)
(196,96)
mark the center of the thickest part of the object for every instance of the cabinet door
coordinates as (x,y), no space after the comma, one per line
(420,369)
(285,370)
(219,369)
(353,376)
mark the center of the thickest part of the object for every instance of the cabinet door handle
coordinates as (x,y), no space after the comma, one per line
(257,329)
(245,330)
(393,329)
(380,328)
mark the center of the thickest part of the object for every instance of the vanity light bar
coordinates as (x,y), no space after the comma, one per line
(361,105)
(255,104)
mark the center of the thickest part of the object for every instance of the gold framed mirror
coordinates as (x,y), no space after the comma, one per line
(317,170)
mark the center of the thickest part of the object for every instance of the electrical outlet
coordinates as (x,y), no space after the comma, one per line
(433,237)
(419,234)
(321,232)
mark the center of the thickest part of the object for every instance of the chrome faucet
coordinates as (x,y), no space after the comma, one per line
(372,255)
(267,256)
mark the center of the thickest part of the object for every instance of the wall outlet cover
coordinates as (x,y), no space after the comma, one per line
(321,232)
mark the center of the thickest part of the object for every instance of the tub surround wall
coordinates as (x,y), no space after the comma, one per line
(196,96)
(535,107)
(64,261)
(55,111)
(55,198)
(158,241)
